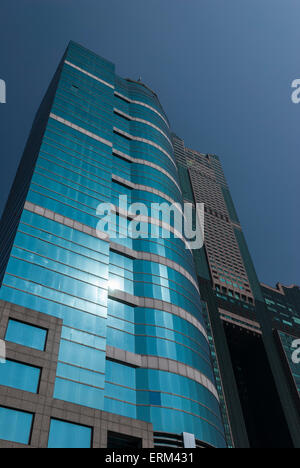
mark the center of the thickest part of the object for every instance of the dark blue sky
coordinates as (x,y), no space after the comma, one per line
(223,71)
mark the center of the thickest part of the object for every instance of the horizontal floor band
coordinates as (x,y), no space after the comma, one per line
(145,188)
(85,72)
(81,130)
(163,364)
(239,324)
(140,103)
(148,220)
(65,221)
(144,140)
(103,236)
(89,74)
(146,163)
(240,321)
(146,122)
(150,303)
(138,255)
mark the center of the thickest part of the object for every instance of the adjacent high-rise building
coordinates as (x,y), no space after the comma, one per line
(115,340)
(283,317)
(106,342)
(252,327)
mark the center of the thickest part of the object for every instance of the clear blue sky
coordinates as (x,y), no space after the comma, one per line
(223,71)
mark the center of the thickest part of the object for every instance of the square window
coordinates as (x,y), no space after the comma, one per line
(26,335)
(15,426)
(21,376)
(69,435)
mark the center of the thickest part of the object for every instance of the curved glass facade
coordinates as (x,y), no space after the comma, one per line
(107,137)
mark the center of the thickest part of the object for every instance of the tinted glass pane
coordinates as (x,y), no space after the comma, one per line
(68,435)
(155,398)
(121,441)
(26,335)
(15,426)
(20,376)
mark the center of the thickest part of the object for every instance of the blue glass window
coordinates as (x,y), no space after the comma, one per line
(20,376)
(26,335)
(155,398)
(69,435)
(15,426)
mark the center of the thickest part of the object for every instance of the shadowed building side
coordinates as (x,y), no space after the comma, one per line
(257,398)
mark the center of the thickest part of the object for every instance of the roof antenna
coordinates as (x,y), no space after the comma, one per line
(140,79)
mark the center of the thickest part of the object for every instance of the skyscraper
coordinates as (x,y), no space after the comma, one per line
(251,326)
(110,339)
(106,340)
